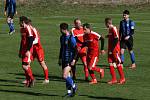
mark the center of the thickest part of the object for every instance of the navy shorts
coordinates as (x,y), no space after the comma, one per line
(127,43)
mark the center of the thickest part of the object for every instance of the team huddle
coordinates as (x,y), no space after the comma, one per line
(79,42)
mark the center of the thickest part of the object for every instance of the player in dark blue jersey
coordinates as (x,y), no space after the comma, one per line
(126,33)
(10,11)
(67,56)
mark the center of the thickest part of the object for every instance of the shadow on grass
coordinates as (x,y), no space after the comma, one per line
(27,93)
(51,78)
(107,98)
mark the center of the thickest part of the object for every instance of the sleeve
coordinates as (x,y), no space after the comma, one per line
(132,28)
(132,25)
(72,32)
(115,32)
(14,4)
(73,41)
(60,50)
(74,46)
(120,29)
(30,42)
(29,31)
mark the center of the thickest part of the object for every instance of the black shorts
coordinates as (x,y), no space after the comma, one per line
(127,43)
(10,15)
(65,64)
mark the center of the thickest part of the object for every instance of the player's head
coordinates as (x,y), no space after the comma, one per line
(87,28)
(64,28)
(108,22)
(23,20)
(126,14)
(77,23)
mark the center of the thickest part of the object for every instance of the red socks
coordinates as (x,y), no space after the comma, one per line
(120,70)
(92,74)
(46,74)
(112,72)
(29,72)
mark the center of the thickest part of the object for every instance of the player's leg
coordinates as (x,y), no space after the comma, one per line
(123,47)
(45,69)
(39,54)
(10,24)
(130,48)
(112,70)
(91,72)
(83,58)
(69,80)
(93,67)
(28,73)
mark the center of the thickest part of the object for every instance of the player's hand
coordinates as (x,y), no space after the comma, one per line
(102,52)
(27,53)
(59,62)
(5,13)
(16,13)
(78,48)
(73,62)
(127,37)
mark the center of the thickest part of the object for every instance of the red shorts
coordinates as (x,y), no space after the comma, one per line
(114,58)
(92,61)
(38,52)
(82,52)
(27,59)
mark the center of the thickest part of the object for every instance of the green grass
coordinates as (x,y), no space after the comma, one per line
(137,86)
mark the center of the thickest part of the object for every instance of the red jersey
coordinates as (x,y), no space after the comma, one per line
(25,33)
(113,33)
(37,36)
(79,34)
(92,40)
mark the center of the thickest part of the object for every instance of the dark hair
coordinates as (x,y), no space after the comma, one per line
(126,12)
(76,19)
(87,25)
(108,20)
(64,26)
(24,19)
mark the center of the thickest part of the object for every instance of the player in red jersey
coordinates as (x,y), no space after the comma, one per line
(91,41)
(38,53)
(114,52)
(78,33)
(26,49)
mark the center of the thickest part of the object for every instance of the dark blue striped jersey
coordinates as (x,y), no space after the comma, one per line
(126,28)
(68,46)
(10,6)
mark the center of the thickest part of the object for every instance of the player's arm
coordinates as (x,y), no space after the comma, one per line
(77,40)
(120,29)
(15,11)
(20,50)
(102,42)
(116,38)
(115,41)
(60,53)
(74,46)
(132,28)
(30,42)
(6,5)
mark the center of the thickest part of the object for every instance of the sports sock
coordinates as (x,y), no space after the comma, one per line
(29,71)
(122,57)
(46,74)
(112,72)
(132,57)
(120,70)
(92,74)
